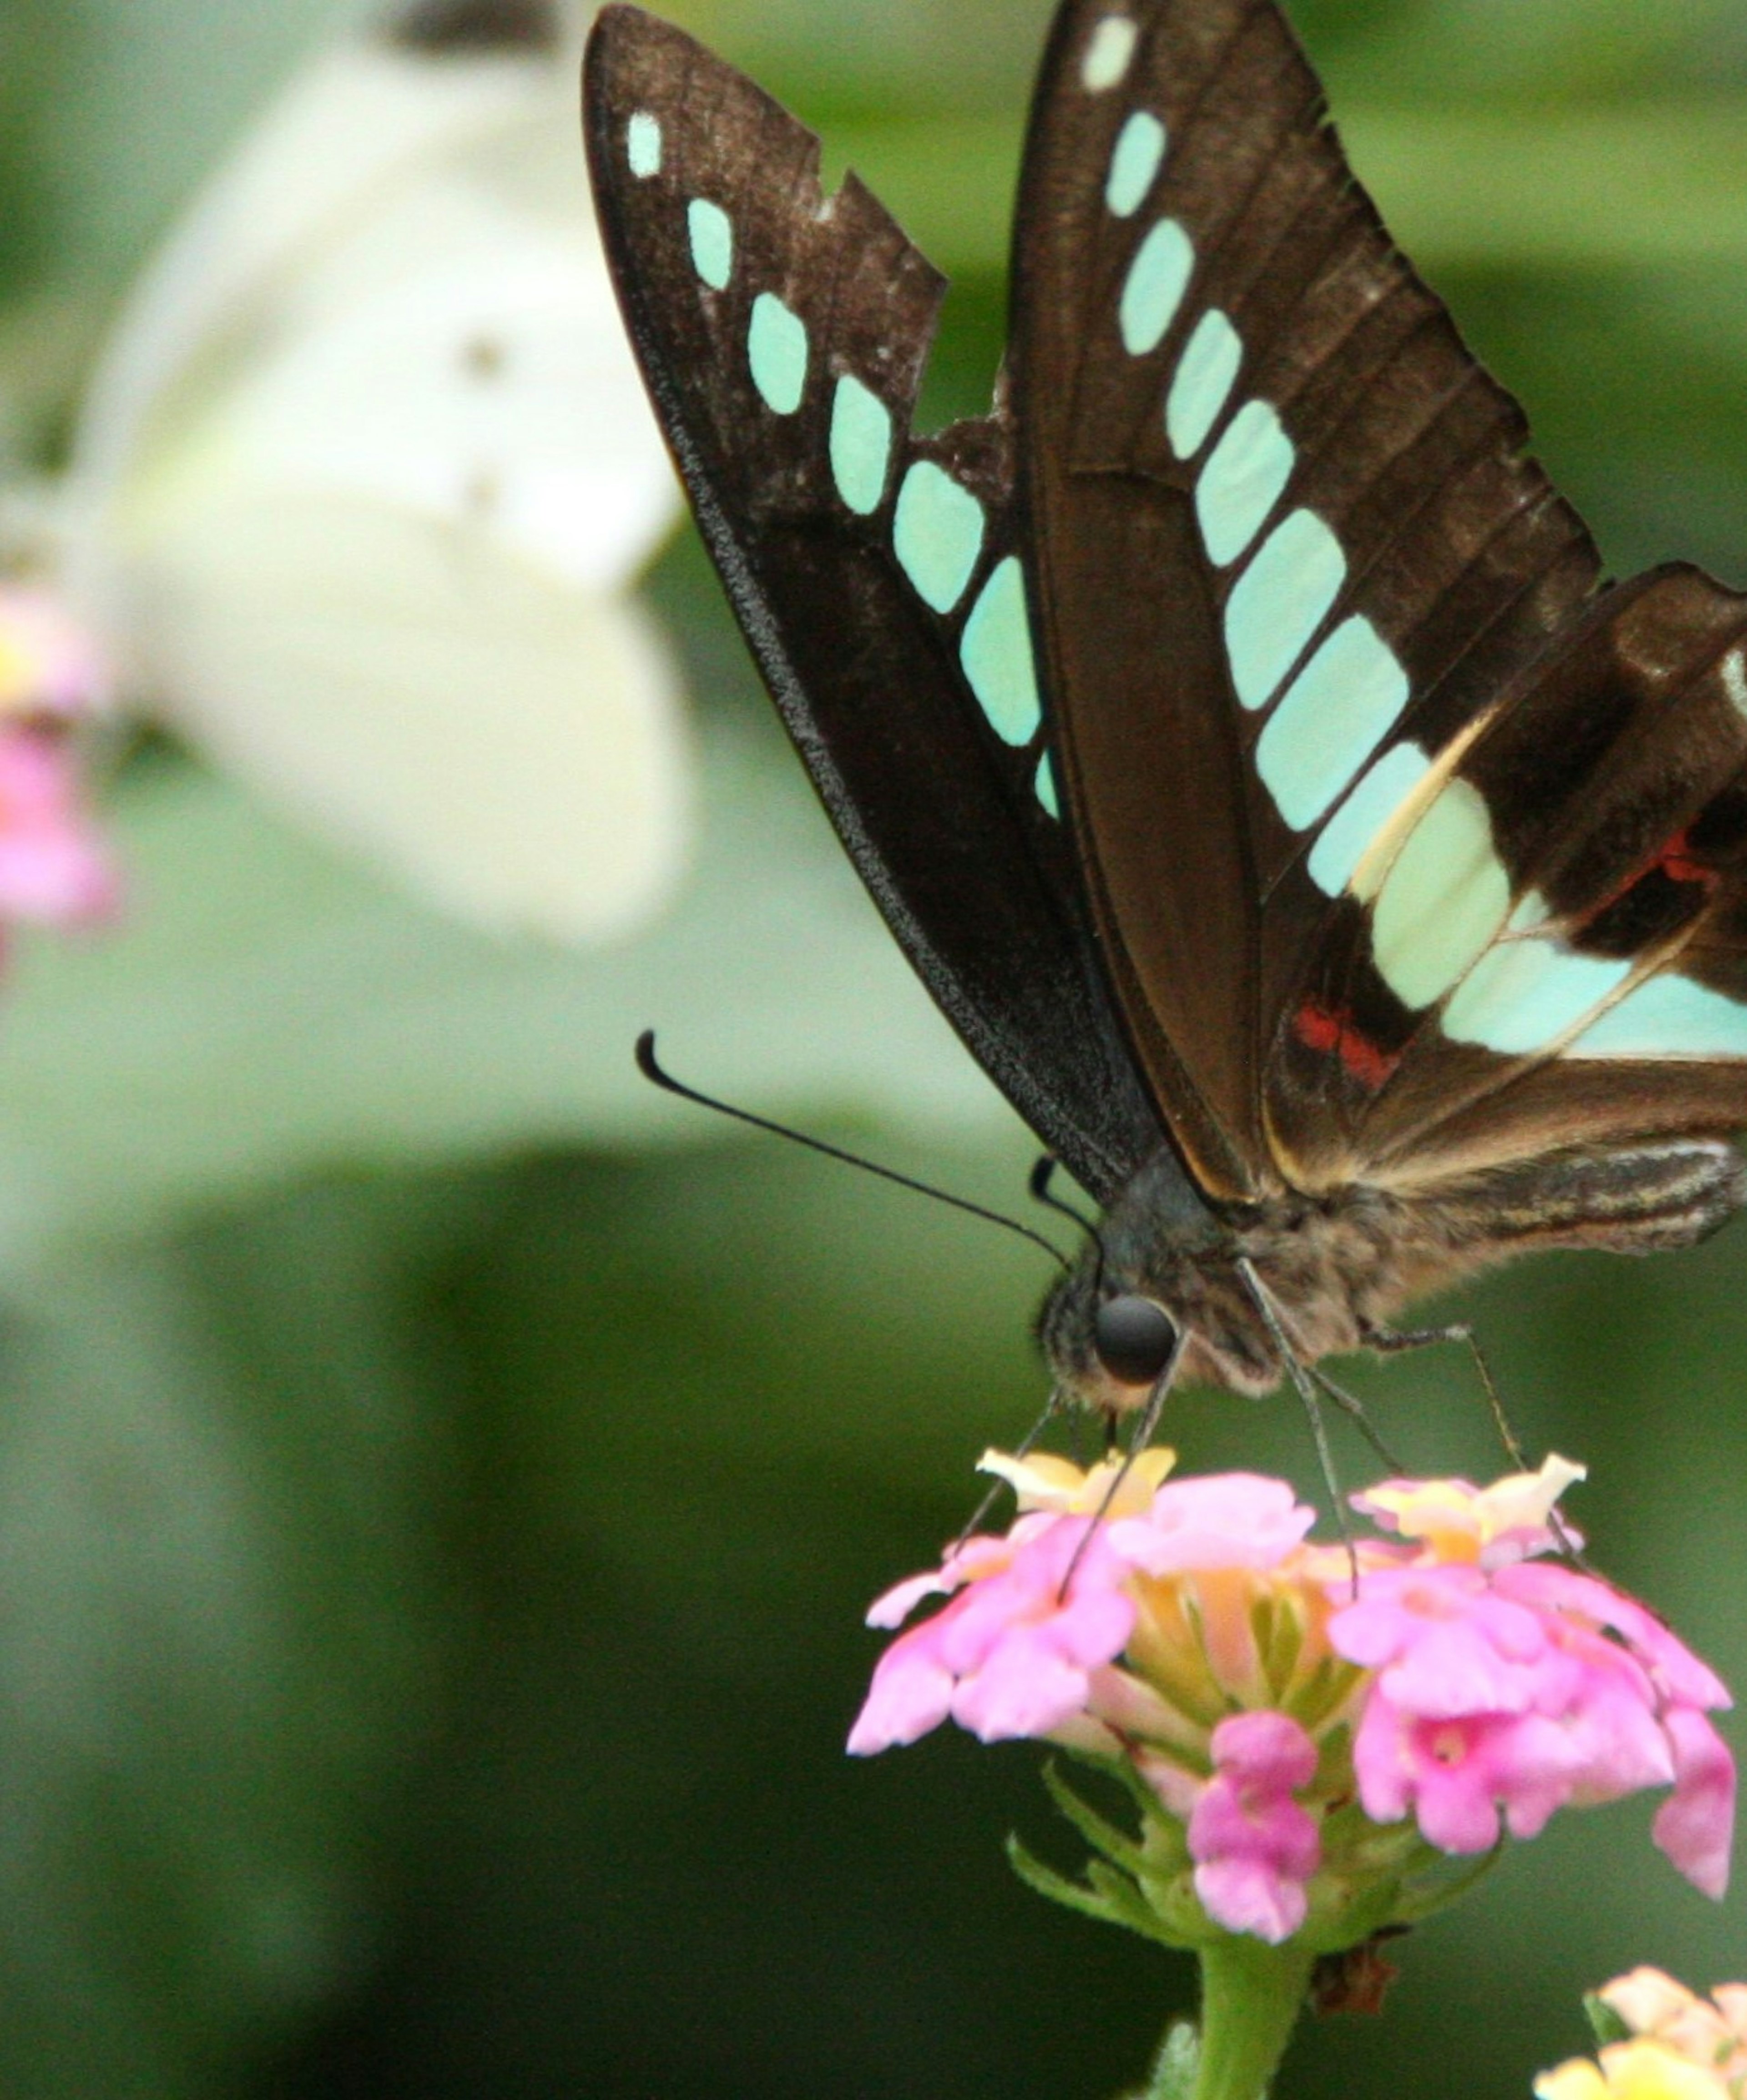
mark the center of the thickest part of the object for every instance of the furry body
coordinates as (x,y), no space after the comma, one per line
(1339,1268)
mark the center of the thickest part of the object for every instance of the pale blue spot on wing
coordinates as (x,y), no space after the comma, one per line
(777,350)
(1134,164)
(643,145)
(1205,375)
(1045,786)
(1330,719)
(712,236)
(1669,1017)
(860,444)
(1279,601)
(1152,293)
(1246,475)
(1734,680)
(1522,995)
(1533,910)
(1443,900)
(1343,840)
(996,651)
(1109,52)
(937,535)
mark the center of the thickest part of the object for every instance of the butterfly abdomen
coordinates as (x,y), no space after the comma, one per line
(1631,1199)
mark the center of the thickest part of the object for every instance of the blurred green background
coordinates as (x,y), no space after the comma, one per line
(439,1484)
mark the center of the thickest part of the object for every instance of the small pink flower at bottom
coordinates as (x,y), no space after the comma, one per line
(1306,1756)
(1254,1847)
(1630,2070)
(1678,2046)
(1503,1695)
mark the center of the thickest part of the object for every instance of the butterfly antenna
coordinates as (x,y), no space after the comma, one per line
(1041,1193)
(651,1070)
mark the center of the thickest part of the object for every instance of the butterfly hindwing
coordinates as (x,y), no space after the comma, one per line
(877,575)
(1543,944)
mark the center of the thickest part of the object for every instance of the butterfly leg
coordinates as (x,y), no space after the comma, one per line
(1395,1341)
(1307,1392)
(1353,1408)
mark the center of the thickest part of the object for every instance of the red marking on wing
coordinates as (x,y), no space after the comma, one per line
(1330,1031)
(1677,863)
(1674,859)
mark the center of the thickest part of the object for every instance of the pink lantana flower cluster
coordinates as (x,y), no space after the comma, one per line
(1312,1733)
(54,870)
(1662,2041)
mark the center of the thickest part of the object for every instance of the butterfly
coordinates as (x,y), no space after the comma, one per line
(364,471)
(1234,727)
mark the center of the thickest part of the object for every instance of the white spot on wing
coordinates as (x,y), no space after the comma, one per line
(643,145)
(1734,680)
(1109,54)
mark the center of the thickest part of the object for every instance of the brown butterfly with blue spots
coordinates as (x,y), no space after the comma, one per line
(1234,727)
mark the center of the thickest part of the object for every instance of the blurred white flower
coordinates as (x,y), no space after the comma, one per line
(364,478)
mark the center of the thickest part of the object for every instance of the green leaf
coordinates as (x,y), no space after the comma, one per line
(1177,2065)
(1604,2022)
(1103,1836)
(1046,1882)
(1105,1895)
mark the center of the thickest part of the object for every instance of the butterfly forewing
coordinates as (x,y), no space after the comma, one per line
(877,575)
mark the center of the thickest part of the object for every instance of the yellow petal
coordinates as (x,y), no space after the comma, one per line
(1042,1481)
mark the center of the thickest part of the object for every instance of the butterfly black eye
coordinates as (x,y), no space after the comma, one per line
(1134,1338)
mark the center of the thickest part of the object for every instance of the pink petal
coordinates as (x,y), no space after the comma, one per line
(895,1605)
(1683,1677)
(52,869)
(1456,1776)
(1265,1749)
(1025,1688)
(1696,1825)
(1255,1846)
(1446,1644)
(1222,1520)
(1247,1895)
(911,1693)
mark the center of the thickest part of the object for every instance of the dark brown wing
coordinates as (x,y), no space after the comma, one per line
(1280,518)
(877,575)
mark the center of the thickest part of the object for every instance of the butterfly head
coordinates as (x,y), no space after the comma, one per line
(1155,1295)
(1134,1340)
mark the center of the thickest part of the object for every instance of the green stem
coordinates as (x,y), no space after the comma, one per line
(1251,1996)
